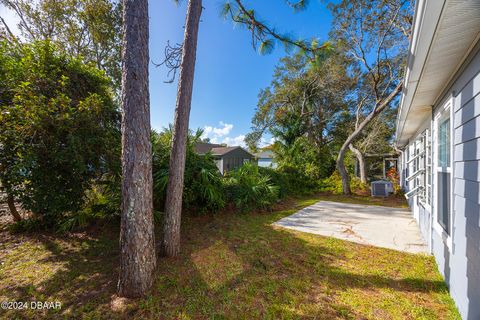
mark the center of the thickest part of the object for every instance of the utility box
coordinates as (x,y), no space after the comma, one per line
(381,188)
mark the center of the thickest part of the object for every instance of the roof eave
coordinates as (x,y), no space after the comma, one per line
(422,38)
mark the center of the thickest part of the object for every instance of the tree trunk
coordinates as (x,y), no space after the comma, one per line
(361,163)
(137,257)
(343,171)
(173,202)
(13,210)
(380,106)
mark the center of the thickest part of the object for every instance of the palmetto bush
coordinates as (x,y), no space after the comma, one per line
(203,189)
(247,188)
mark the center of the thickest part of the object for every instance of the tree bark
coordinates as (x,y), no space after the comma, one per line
(343,171)
(358,130)
(173,202)
(13,210)
(361,163)
(137,242)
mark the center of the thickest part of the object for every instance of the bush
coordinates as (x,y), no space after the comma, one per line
(394,177)
(203,189)
(59,129)
(333,184)
(249,189)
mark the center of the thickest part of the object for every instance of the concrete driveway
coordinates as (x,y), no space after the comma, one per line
(373,225)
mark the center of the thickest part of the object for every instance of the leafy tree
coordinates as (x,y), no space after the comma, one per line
(86,28)
(137,239)
(374,36)
(302,109)
(376,139)
(59,128)
(173,206)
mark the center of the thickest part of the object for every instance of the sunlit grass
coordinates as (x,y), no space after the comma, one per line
(232,266)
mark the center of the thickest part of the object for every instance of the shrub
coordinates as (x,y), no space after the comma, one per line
(249,189)
(394,177)
(203,189)
(59,128)
(333,184)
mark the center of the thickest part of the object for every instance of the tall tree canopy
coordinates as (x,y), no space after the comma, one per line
(373,34)
(304,101)
(86,28)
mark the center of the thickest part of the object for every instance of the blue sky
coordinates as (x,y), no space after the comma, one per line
(229,73)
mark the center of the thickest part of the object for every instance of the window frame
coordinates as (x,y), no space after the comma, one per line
(446,112)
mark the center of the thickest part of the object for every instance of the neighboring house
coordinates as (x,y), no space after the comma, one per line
(438,130)
(226,158)
(266,159)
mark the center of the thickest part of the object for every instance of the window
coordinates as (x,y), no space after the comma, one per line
(428,167)
(443,175)
(444,144)
(418,168)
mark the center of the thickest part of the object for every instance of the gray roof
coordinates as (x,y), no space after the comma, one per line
(204,147)
(215,149)
(222,150)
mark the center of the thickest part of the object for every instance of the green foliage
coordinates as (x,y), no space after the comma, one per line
(203,183)
(249,189)
(305,158)
(59,128)
(79,28)
(333,184)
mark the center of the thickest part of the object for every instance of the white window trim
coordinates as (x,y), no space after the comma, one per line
(415,174)
(445,112)
(417,156)
(415,191)
(423,200)
(417,181)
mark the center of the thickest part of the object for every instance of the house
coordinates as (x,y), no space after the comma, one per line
(438,132)
(266,159)
(226,158)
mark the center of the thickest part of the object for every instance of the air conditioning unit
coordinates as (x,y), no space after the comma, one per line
(381,188)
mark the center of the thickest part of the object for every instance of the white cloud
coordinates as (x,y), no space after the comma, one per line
(236,141)
(221,134)
(224,130)
(216,132)
(264,142)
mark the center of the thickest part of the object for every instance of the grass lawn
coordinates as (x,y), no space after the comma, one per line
(232,266)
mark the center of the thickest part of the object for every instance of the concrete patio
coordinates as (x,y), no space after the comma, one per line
(385,227)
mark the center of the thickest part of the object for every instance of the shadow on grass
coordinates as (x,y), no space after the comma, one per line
(231,267)
(78,270)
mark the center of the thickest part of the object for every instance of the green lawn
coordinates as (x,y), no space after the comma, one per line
(233,266)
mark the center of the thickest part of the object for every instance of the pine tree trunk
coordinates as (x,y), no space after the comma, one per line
(361,163)
(13,210)
(173,202)
(137,258)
